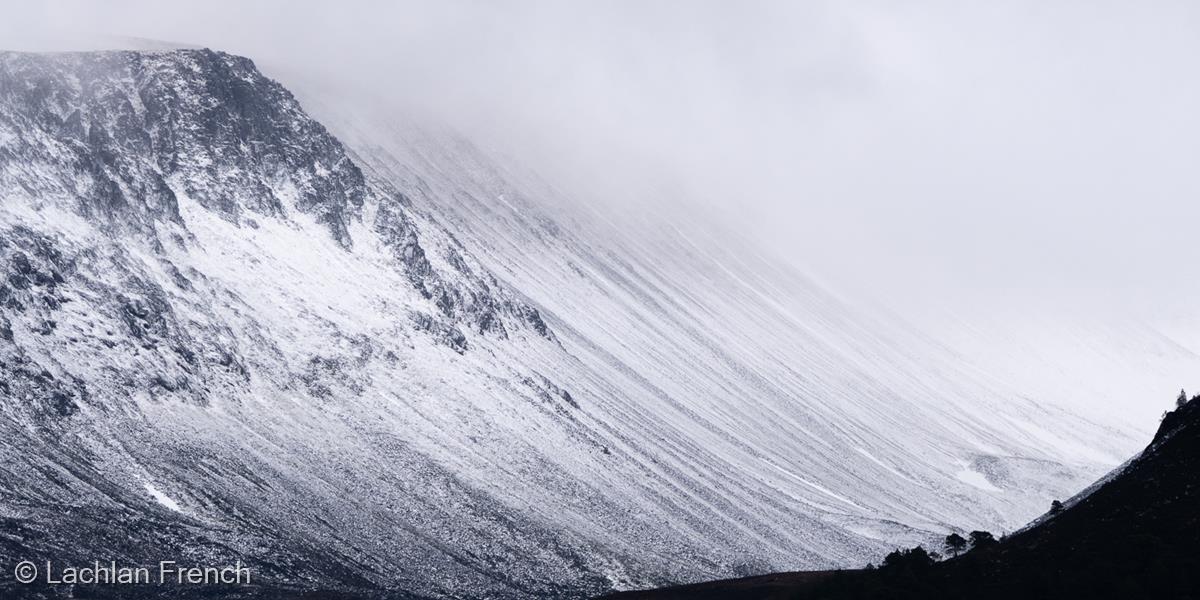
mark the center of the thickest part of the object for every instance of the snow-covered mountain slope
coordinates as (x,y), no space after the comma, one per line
(386,365)
(1118,368)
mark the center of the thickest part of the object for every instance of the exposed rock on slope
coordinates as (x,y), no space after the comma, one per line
(226,335)
(107,133)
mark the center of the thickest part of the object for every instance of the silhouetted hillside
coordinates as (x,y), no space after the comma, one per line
(1135,535)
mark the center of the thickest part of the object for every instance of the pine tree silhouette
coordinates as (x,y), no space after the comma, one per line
(955,544)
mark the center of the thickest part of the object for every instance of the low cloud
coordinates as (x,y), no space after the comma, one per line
(1049,148)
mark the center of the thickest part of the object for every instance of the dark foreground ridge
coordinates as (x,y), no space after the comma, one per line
(1136,535)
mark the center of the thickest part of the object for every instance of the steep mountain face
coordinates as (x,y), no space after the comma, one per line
(107,134)
(369,362)
(183,321)
(112,136)
(720,325)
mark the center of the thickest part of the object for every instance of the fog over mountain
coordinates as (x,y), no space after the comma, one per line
(1023,145)
(971,158)
(543,298)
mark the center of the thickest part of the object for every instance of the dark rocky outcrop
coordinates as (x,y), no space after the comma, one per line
(116,135)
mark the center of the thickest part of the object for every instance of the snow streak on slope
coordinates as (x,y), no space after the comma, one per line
(791,384)
(385,367)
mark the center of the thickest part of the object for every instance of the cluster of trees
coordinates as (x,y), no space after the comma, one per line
(906,573)
(918,558)
(956,544)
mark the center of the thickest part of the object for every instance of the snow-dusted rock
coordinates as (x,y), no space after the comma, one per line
(225,335)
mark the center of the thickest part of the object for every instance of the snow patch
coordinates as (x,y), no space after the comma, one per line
(976,479)
(163,499)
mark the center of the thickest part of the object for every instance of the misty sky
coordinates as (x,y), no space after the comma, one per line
(1039,147)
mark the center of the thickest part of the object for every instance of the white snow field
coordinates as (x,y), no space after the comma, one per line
(425,377)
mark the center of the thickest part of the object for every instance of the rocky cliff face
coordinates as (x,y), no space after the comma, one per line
(128,180)
(225,334)
(107,134)
(115,137)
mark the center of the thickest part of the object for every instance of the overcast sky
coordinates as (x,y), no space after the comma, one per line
(1044,147)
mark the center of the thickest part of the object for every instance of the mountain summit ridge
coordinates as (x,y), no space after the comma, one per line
(129,123)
